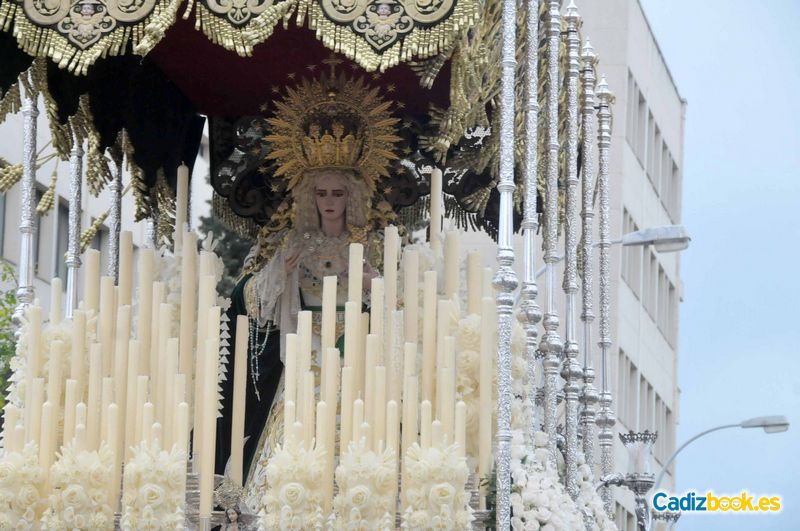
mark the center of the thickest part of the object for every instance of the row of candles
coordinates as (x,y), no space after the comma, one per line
(134,389)
(388,395)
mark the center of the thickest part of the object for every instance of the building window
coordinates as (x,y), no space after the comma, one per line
(631,256)
(650,283)
(100,243)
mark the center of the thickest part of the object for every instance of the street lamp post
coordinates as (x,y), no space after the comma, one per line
(770,424)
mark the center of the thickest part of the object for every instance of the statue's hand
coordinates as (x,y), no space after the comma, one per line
(291,261)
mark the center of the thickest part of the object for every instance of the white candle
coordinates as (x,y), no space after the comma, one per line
(391,246)
(188,301)
(429,335)
(144,318)
(352,321)
(80,437)
(410,413)
(155,331)
(303,361)
(48,435)
(488,348)
(148,412)
(376,307)
(91,279)
(131,398)
(451,264)
(331,397)
(121,365)
(70,400)
(163,379)
(181,203)
(308,408)
(297,434)
(474,286)
(319,434)
(204,302)
(436,210)
(37,399)
(107,317)
(290,374)
(488,286)
(116,470)
(107,397)
(355,274)
(156,435)
(329,312)
(209,425)
(239,388)
(289,416)
(393,359)
(461,428)
(437,434)
(34,363)
(54,378)
(80,418)
(125,268)
(358,418)
(448,389)
(141,400)
(379,421)
(425,424)
(370,384)
(10,418)
(56,292)
(346,431)
(182,439)
(411,295)
(95,388)
(78,355)
(171,369)
(392,434)
(179,397)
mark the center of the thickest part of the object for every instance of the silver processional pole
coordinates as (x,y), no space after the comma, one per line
(505,282)
(73,260)
(571,369)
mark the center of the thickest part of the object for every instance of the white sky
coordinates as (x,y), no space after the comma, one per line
(737,64)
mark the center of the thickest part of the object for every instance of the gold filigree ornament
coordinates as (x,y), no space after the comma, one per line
(378,34)
(335,121)
(76,33)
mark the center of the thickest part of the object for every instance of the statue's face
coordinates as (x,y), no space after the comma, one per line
(331,196)
(233,516)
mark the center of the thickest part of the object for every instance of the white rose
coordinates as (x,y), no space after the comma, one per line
(152,495)
(358,496)
(292,494)
(7,471)
(80,521)
(441,494)
(27,496)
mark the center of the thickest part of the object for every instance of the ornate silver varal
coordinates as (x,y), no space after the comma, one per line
(551,345)
(505,282)
(73,260)
(639,446)
(115,220)
(27,222)
(590,397)
(571,369)
(605,417)
(530,314)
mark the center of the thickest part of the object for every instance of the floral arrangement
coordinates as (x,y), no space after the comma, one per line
(21,479)
(294,494)
(589,500)
(366,480)
(538,498)
(436,496)
(81,481)
(153,495)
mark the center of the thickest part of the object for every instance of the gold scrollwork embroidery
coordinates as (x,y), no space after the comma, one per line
(86,23)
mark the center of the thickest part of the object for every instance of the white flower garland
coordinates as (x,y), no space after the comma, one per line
(294,496)
(436,496)
(21,480)
(81,481)
(366,481)
(153,489)
(589,499)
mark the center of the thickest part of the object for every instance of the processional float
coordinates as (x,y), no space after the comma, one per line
(501,130)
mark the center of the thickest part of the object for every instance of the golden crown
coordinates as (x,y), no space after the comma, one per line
(335,121)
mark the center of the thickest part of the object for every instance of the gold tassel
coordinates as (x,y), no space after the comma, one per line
(11,102)
(48,198)
(9,176)
(89,234)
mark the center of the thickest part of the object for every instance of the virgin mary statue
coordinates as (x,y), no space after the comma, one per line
(331,139)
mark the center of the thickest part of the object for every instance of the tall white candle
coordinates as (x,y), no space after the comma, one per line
(34,363)
(370,383)
(352,322)
(392,441)
(425,424)
(239,388)
(391,248)
(182,439)
(358,419)
(355,274)
(379,422)
(132,376)
(171,367)
(107,317)
(488,286)
(163,379)
(91,279)
(376,307)
(436,210)
(70,401)
(48,436)
(411,294)
(56,293)
(107,397)
(116,460)
(429,335)
(303,361)
(451,264)
(488,345)
(80,418)
(346,432)
(121,365)
(204,302)
(289,416)
(188,301)
(179,397)
(461,428)
(54,370)
(78,355)
(125,282)
(95,389)
(10,417)
(309,406)
(319,434)
(148,413)
(155,331)
(143,320)
(141,399)
(410,431)
(437,434)
(329,312)
(290,377)
(474,283)
(331,397)
(209,425)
